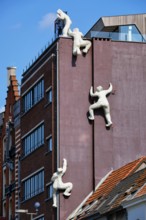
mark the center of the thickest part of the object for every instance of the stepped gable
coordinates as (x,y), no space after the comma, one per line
(12,95)
(14,84)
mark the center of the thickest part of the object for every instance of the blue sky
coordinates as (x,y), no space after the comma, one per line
(26,26)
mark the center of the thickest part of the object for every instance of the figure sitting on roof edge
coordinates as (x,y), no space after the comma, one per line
(78,41)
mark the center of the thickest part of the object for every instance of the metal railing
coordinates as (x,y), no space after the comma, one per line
(119,36)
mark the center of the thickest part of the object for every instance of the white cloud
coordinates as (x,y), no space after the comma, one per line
(2,109)
(47,21)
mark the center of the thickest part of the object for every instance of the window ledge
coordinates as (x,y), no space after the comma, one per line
(24,156)
(46,105)
(25,200)
(24,113)
(48,199)
(48,152)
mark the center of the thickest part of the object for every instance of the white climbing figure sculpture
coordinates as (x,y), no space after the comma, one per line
(59,185)
(101,103)
(78,41)
(63,16)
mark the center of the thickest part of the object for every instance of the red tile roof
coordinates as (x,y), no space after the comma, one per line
(114,178)
(127,182)
(141,192)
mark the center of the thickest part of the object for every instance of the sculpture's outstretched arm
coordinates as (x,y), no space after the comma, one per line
(59,12)
(62,15)
(70,33)
(109,89)
(91,92)
(64,166)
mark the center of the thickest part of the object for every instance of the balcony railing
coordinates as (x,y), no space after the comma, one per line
(119,36)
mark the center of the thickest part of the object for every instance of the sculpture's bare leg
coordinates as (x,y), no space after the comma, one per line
(91,114)
(107,116)
(69,187)
(76,50)
(87,45)
(91,108)
(65,31)
(54,198)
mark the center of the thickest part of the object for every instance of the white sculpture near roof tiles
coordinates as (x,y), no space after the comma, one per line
(78,41)
(101,103)
(59,185)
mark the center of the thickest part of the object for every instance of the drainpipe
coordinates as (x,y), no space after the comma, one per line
(58,118)
(93,129)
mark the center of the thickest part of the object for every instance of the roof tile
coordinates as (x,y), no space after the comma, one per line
(114,178)
(125,183)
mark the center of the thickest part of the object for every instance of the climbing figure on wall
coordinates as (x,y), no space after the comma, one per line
(101,103)
(59,185)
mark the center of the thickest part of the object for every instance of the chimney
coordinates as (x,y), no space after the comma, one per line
(11,71)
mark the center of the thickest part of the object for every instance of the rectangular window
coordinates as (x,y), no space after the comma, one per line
(49,143)
(34,140)
(50,191)
(34,185)
(49,95)
(33,96)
